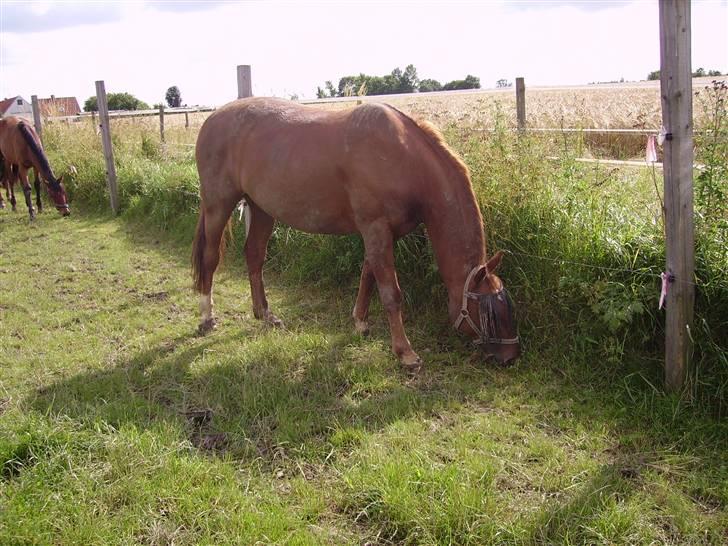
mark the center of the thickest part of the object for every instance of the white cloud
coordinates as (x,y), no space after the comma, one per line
(294,47)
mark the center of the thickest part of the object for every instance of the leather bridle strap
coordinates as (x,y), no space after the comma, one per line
(464,313)
(483,331)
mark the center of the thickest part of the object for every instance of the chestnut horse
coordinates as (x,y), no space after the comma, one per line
(370,170)
(21,150)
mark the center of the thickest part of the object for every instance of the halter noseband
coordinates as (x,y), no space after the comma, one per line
(487,330)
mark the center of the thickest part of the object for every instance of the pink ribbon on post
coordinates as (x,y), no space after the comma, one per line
(651,150)
(663,294)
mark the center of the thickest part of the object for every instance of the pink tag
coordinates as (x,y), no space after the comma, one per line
(651,151)
(663,293)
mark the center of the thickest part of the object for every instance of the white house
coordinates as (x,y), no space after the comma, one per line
(16,106)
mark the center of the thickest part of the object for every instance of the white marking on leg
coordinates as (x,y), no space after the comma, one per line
(206,306)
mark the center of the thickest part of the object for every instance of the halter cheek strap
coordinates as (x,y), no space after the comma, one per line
(464,313)
(486,322)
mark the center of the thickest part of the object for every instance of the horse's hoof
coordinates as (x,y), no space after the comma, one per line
(361,327)
(208,326)
(274,321)
(412,368)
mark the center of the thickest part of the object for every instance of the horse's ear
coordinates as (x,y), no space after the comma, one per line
(495,261)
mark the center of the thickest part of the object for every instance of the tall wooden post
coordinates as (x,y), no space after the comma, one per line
(161,122)
(245,84)
(103,106)
(187,121)
(677,118)
(37,121)
(521,103)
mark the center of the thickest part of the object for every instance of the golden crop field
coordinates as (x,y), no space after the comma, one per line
(606,106)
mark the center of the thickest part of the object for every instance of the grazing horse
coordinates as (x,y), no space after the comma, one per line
(370,170)
(21,150)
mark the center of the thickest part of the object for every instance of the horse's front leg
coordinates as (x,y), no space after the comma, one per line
(379,245)
(256,247)
(363,298)
(36,183)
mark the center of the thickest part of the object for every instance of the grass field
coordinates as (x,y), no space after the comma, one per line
(119,426)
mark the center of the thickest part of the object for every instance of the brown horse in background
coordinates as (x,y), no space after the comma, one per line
(370,170)
(21,150)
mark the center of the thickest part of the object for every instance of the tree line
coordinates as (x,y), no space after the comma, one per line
(699,73)
(127,101)
(398,81)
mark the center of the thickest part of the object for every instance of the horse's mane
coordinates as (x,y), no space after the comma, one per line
(437,142)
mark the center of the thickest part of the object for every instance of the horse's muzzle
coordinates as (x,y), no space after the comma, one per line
(65,210)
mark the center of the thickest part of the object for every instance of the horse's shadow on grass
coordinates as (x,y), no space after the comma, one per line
(278,388)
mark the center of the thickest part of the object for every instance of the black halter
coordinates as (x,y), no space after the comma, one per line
(487,331)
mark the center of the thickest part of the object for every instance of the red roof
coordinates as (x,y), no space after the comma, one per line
(59,106)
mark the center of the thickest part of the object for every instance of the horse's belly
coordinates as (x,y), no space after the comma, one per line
(311,211)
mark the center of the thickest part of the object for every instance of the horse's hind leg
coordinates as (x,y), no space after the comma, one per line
(256,246)
(379,245)
(23,175)
(361,307)
(207,255)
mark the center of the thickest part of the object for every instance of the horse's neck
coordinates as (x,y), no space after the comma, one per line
(455,230)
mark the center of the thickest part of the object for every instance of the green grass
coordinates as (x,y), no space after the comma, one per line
(314,435)
(119,425)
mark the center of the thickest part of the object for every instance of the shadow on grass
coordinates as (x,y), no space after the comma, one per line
(256,394)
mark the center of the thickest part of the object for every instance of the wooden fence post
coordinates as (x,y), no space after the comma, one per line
(37,121)
(103,107)
(521,103)
(161,122)
(187,121)
(245,84)
(677,118)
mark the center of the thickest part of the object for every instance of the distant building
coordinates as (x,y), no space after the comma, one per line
(59,106)
(16,106)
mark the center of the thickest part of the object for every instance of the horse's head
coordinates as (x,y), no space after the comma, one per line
(57,191)
(487,313)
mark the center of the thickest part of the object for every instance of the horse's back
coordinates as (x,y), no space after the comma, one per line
(318,170)
(12,144)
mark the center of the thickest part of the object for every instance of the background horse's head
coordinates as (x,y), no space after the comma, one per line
(57,192)
(487,313)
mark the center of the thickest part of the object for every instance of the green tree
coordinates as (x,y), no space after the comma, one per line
(173,97)
(428,85)
(117,101)
(470,82)
(90,105)
(653,75)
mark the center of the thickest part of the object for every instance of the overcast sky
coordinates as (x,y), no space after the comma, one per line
(144,47)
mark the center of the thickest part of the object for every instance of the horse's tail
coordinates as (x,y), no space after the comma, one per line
(31,140)
(198,250)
